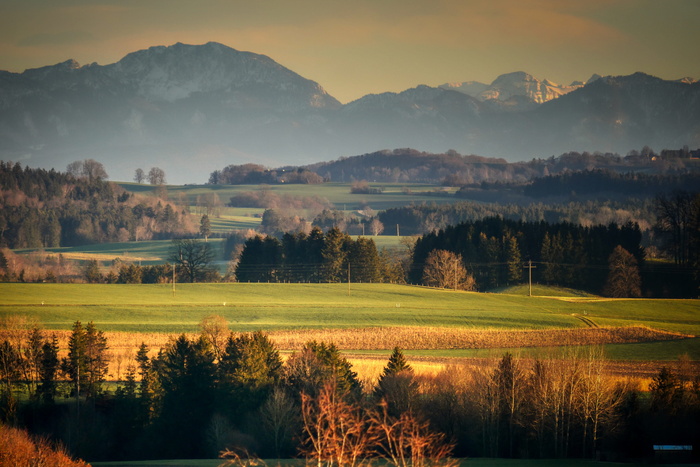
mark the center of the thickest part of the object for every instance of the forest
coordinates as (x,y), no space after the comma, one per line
(489,253)
(317,257)
(567,255)
(40,208)
(453,169)
(201,394)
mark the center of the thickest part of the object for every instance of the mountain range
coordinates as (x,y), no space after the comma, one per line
(190,109)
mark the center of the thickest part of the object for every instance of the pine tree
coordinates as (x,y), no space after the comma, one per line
(334,255)
(397,385)
(32,360)
(185,370)
(86,363)
(364,261)
(205,227)
(249,369)
(48,369)
(513,259)
(396,364)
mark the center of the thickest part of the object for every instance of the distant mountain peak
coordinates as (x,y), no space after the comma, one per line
(179,71)
(514,77)
(186,108)
(515,91)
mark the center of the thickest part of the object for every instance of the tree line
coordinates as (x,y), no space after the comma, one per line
(493,250)
(606,181)
(255,174)
(40,208)
(454,169)
(218,391)
(332,256)
(419,219)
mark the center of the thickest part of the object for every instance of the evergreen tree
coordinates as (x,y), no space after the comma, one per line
(248,371)
(86,363)
(364,261)
(396,364)
(397,385)
(513,259)
(147,387)
(205,227)
(334,255)
(320,363)
(32,360)
(48,370)
(185,371)
(91,272)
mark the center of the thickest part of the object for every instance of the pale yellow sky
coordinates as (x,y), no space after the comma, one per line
(371,46)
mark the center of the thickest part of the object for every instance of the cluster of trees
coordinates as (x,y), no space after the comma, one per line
(155,176)
(192,260)
(220,391)
(264,198)
(40,208)
(419,219)
(316,257)
(453,169)
(89,169)
(605,181)
(255,174)
(278,221)
(493,251)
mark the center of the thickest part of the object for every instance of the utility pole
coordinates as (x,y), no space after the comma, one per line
(530,267)
(398,234)
(348,279)
(455,274)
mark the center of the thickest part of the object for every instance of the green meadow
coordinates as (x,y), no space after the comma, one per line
(392,195)
(269,307)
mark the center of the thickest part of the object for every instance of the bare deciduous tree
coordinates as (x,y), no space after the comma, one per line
(335,431)
(89,169)
(376,227)
(408,442)
(139,175)
(156,176)
(446,269)
(214,329)
(623,279)
(279,415)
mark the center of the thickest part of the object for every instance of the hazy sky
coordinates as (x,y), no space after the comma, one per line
(353,48)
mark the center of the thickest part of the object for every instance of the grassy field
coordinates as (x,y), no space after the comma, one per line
(422,314)
(393,195)
(144,253)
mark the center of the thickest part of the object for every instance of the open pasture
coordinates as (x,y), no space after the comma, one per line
(382,315)
(392,195)
(147,252)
